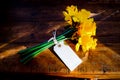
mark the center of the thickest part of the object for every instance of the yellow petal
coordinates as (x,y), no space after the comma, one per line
(79,40)
(65,13)
(77,46)
(71,10)
(94,29)
(85,13)
(75,19)
(94,44)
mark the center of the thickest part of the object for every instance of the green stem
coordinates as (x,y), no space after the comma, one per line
(29,57)
(32,52)
(28,50)
(40,46)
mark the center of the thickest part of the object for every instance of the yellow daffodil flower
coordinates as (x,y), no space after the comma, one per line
(72,10)
(88,27)
(67,18)
(86,30)
(72,14)
(87,42)
(82,15)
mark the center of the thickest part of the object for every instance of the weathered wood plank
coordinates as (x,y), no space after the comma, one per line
(25,31)
(101,61)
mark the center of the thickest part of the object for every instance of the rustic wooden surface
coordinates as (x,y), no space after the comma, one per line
(28,26)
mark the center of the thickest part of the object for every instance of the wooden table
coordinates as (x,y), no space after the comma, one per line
(102,63)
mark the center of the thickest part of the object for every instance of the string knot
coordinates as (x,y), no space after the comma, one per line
(53,38)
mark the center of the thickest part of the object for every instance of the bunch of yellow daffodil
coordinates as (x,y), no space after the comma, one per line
(82,29)
(85,27)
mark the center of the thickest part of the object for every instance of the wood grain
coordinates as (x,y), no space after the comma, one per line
(25,31)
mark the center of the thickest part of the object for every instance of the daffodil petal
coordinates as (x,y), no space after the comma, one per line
(77,46)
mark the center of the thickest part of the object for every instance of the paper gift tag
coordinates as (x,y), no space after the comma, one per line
(67,55)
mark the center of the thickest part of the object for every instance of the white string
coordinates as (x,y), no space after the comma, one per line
(53,38)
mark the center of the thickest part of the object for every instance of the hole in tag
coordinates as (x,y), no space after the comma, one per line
(59,45)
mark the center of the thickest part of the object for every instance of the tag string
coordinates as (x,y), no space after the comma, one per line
(53,38)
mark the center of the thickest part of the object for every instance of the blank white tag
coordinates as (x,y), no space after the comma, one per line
(67,55)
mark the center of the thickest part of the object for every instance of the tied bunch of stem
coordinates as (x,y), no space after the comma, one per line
(81,28)
(29,53)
